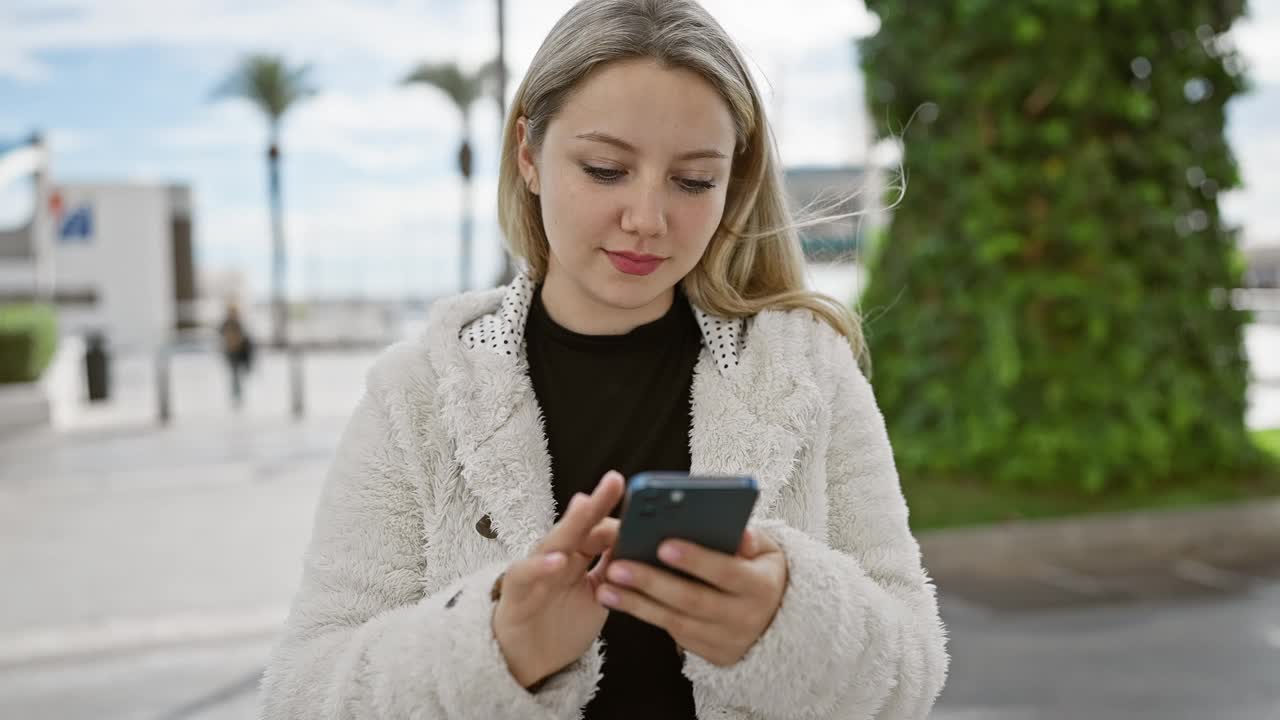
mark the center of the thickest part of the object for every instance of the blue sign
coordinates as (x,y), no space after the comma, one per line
(77,226)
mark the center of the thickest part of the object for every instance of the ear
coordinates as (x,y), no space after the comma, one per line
(524,156)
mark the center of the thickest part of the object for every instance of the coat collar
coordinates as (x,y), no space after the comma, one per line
(502,331)
(752,405)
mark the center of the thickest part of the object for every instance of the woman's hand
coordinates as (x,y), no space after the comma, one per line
(547,615)
(719,623)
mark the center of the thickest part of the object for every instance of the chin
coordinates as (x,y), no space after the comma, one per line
(632,291)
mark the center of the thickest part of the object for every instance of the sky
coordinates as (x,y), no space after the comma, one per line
(123,89)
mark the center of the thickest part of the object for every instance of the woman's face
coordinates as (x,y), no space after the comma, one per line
(631,174)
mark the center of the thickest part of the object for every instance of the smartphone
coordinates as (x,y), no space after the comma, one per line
(708,510)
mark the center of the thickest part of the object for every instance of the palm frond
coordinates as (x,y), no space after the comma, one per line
(268,82)
(461,87)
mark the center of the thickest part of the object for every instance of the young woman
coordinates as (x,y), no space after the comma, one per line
(662,324)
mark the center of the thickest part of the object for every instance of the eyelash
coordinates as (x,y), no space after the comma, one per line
(608,176)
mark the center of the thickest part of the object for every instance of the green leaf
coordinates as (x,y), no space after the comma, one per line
(1041,319)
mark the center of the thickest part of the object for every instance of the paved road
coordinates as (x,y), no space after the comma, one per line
(1175,661)
(1210,658)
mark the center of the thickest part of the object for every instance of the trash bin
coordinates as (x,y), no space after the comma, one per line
(96,368)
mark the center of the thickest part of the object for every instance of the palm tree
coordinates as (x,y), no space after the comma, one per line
(508,269)
(464,89)
(273,87)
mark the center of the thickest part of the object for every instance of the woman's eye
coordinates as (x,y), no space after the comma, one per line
(604,175)
(695,186)
(608,176)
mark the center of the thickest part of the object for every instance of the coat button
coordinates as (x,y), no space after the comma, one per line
(485,527)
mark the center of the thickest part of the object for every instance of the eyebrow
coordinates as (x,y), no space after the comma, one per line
(624,145)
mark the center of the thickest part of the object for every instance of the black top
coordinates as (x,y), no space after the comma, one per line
(620,402)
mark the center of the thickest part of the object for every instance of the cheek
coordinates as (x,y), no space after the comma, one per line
(699,221)
(576,214)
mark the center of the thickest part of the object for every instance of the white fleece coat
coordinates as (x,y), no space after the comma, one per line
(392,619)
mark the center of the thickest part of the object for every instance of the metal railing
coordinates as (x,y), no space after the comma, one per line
(206,341)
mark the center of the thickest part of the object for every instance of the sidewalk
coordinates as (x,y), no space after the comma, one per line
(132,539)
(117,533)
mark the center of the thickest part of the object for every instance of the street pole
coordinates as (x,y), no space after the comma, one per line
(508,270)
(502,67)
(297,391)
(43,226)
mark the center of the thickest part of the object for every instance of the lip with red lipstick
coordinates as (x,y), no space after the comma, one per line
(634,263)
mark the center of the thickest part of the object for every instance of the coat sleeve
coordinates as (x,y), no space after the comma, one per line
(858,633)
(362,640)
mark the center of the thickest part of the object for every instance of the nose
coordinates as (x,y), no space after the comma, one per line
(644,213)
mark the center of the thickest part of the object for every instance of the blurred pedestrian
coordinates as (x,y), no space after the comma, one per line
(237,347)
(460,561)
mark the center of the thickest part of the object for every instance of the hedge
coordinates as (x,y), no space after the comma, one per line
(1049,303)
(28,338)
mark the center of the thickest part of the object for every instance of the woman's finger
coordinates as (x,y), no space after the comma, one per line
(638,605)
(601,537)
(583,513)
(728,573)
(597,574)
(527,580)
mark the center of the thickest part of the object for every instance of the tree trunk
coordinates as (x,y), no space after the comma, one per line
(508,268)
(464,264)
(464,268)
(279,311)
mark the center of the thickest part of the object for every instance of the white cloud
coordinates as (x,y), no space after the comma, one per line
(16,200)
(405,234)
(1258,38)
(1257,146)
(767,32)
(223,124)
(320,30)
(387,129)
(793,27)
(817,108)
(20,65)
(1254,205)
(62,140)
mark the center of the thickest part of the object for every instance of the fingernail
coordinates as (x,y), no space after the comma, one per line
(608,597)
(670,553)
(620,574)
(553,560)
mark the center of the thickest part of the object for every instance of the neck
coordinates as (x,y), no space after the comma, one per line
(573,308)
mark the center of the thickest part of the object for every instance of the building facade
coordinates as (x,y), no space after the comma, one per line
(113,258)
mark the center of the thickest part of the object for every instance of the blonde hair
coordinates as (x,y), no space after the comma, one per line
(754,260)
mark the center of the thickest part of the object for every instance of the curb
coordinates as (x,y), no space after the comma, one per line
(24,407)
(1237,535)
(129,635)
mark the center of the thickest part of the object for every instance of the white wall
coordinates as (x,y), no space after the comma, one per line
(17,275)
(126,259)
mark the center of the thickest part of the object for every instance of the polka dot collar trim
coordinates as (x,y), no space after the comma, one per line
(502,332)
